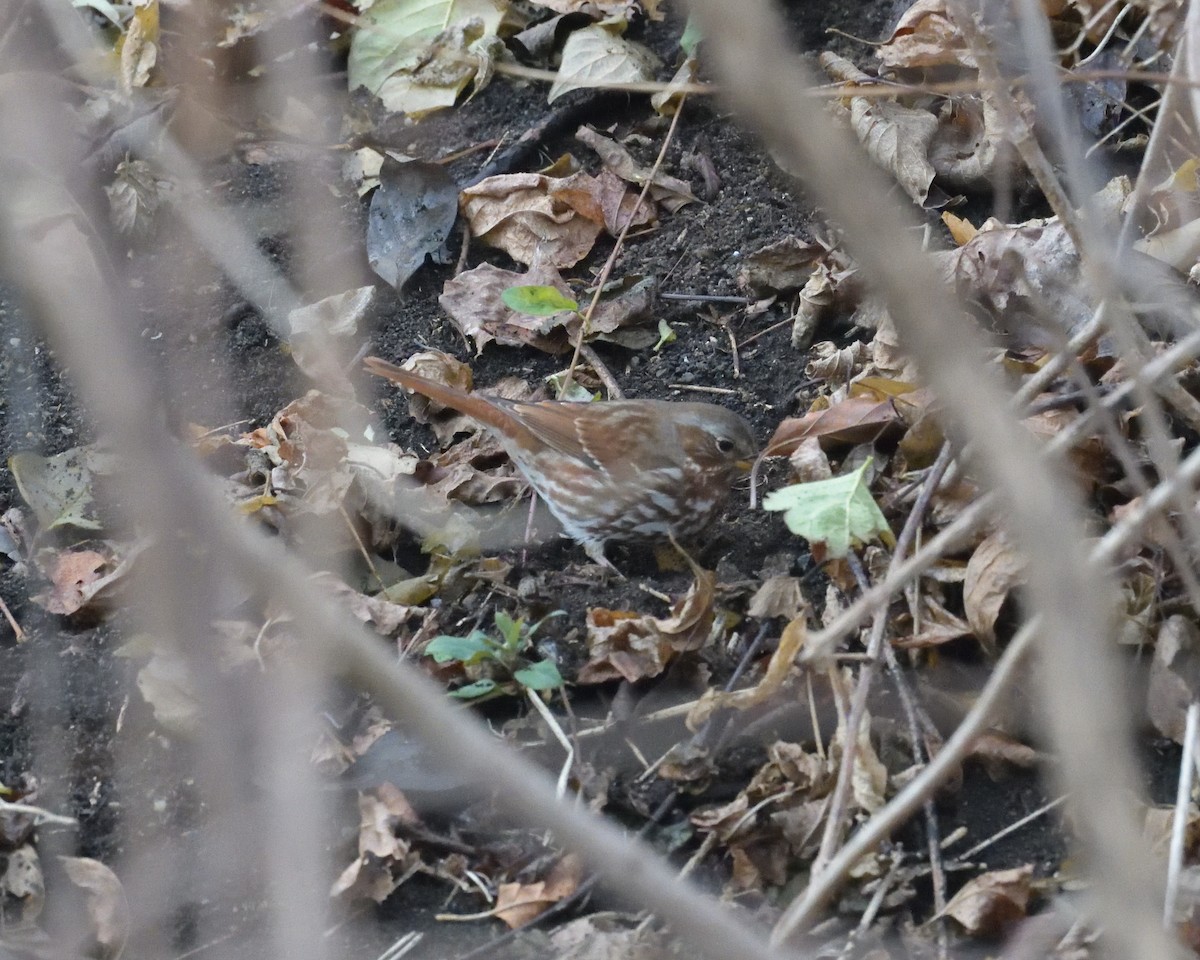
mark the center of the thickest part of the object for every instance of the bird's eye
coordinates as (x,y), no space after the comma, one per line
(725,445)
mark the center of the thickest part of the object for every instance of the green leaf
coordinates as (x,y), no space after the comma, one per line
(542,675)
(59,488)
(510,630)
(397,35)
(692,35)
(837,512)
(665,335)
(473,691)
(469,649)
(537,301)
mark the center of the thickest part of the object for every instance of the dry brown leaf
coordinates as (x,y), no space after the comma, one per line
(383,857)
(778,597)
(854,420)
(72,574)
(869,778)
(632,646)
(472,300)
(671,192)
(809,462)
(534,217)
(898,139)
(22,884)
(1174,676)
(938,625)
(993,571)
(989,905)
(780,267)
(779,668)
(828,361)
(599,55)
(107,907)
(518,903)
(925,36)
(998,752)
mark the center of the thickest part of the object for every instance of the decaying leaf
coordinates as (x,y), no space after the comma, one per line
(861,419)
(896,137)
(316,331)
(533,216)
(988,905)
(779,669)
(632,646)
(993,572)
(59,488)
(107,907)
(780,267)
(869,778)
(609,936)
(1174,676)
(82,579)
(415,40)
(670,192)
(22,881)
(925,36)
(598,55)
(778,597)
(166,684)
(134,197)
(474,301)
(410,217)
(518,903)
(384,860)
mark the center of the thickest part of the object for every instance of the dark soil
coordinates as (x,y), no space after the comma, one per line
(96,751)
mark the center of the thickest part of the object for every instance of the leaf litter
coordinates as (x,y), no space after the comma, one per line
(320,475)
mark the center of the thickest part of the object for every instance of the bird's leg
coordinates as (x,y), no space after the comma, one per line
(595,550)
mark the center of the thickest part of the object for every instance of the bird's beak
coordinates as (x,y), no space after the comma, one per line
(743,465)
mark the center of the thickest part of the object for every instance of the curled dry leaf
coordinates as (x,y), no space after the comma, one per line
(852,421)
(319,329)
(778,597)
(22,884)
(828,361)
(779,668)
(1174,676)
(529,216)
(993,571)
(518,903)
(473,302)
(896,137)
(783,266)
(384,860)
(107,907)
(84,580)
(671,192)
(419,46)
(631,646)
(59,489)
(869,778)
(989,905)
(925,36)
(809,462)
(599,55)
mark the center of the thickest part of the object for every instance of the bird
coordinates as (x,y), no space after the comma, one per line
(609,470)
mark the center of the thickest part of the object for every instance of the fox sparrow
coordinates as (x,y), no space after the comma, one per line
(612,470)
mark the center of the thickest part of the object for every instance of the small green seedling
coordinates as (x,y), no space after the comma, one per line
(503,657)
